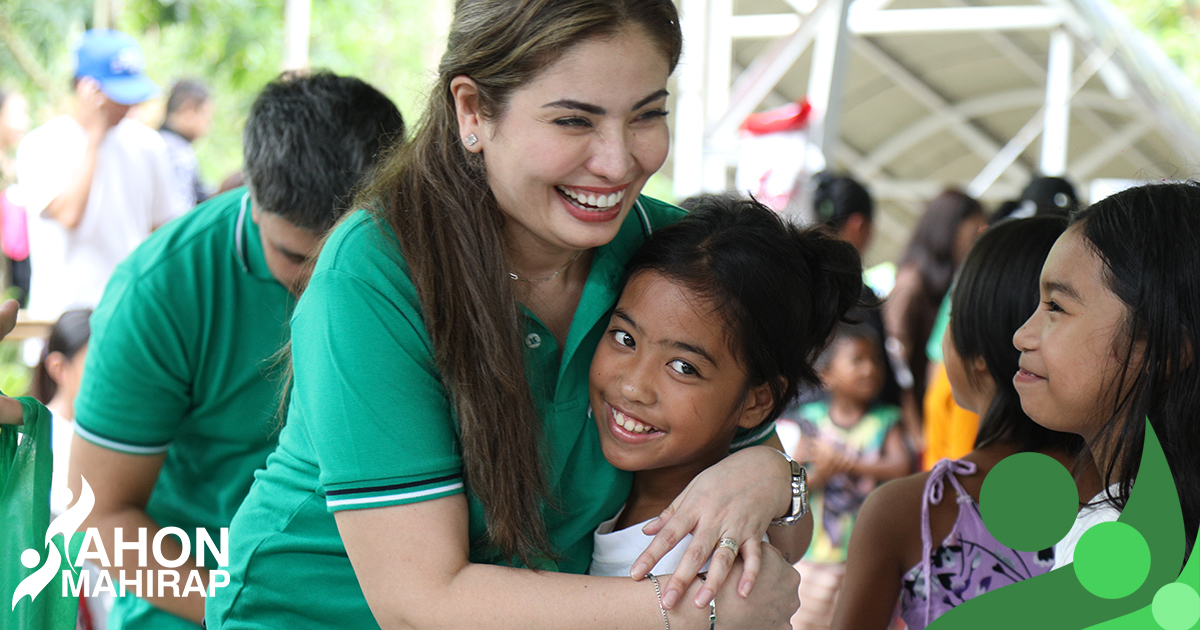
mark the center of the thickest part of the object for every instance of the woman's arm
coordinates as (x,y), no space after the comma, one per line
(735,498)
(874,562)
(412,564)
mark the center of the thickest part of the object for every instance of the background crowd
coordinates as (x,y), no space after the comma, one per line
(174,293)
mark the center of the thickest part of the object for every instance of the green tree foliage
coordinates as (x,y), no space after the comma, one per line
(235,46)
(1173,24)
(35,41)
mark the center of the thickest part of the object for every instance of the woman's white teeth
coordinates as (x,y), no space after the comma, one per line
(631,425)
(601,202)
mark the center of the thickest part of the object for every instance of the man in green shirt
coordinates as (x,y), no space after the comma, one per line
(178,404)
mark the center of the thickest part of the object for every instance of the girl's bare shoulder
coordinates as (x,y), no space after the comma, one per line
(895,508)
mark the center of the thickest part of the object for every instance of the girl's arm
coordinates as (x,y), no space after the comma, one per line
(893,462)
(874,564)
(412,564)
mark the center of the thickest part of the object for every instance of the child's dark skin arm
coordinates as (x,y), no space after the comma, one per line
(892,464)
(823,462)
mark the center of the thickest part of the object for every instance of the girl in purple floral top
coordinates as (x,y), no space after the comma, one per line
(911,543)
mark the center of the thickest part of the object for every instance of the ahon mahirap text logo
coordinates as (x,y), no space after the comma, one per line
(130,578)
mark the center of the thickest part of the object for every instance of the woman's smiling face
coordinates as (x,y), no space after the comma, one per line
(666,391)
(572,150)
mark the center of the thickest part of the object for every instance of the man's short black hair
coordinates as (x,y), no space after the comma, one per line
(308,141)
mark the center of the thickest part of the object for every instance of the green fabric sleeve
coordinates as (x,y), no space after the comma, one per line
(138,371)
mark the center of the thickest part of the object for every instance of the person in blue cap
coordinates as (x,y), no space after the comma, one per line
(95,182)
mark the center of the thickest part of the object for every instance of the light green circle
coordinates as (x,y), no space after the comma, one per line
(1176,606)
(1112,560)
(1028,501)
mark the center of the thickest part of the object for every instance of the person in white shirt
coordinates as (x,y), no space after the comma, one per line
(94,183)
(188,118)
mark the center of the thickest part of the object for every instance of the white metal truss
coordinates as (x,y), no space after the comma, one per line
(712,103)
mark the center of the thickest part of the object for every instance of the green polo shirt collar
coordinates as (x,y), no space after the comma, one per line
(603,284)
(249,249)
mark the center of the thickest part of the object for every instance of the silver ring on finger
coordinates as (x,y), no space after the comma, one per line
(728,543)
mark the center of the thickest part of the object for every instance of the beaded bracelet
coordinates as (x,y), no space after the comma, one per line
(658,592)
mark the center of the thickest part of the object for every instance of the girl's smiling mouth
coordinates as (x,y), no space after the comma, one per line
(1025,376)
(626,428)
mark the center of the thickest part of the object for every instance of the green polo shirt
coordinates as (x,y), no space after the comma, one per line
(180,361)
(370,424)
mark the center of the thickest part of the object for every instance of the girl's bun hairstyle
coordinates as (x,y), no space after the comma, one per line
(996,291)
(781,289)
(1149,241)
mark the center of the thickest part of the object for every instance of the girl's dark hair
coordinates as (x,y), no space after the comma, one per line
(68,335)
(435,195)
(1148,238)
(931,248)
(996,291)
(837,197)
(781,289)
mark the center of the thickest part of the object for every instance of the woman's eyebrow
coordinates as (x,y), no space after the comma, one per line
(596,110)
(567,103)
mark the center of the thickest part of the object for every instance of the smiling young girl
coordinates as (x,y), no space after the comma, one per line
(921,539)
(721,317)
(1114,341)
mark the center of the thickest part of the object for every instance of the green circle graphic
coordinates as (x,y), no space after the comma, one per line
(1176,606)
(1112,560)
(1028,501)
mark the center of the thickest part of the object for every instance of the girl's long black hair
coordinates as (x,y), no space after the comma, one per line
(996,291)
(1149,241)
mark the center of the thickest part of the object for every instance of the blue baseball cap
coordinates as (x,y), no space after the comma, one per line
(115,61)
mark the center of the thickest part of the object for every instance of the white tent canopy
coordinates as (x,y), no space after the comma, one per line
(910,96)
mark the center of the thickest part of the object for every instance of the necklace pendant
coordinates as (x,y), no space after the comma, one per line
(548,278)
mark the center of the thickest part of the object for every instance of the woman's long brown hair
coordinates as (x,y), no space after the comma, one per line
(436,197)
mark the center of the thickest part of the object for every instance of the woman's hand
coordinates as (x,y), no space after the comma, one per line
(770,607)
(736,498)
(11,411)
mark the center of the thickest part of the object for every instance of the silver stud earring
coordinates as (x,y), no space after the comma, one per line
(471,140)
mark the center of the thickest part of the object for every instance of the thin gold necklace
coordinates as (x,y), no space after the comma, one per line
(549,277)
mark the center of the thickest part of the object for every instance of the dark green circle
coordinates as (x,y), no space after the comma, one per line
(1112,560)
(1028,501)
